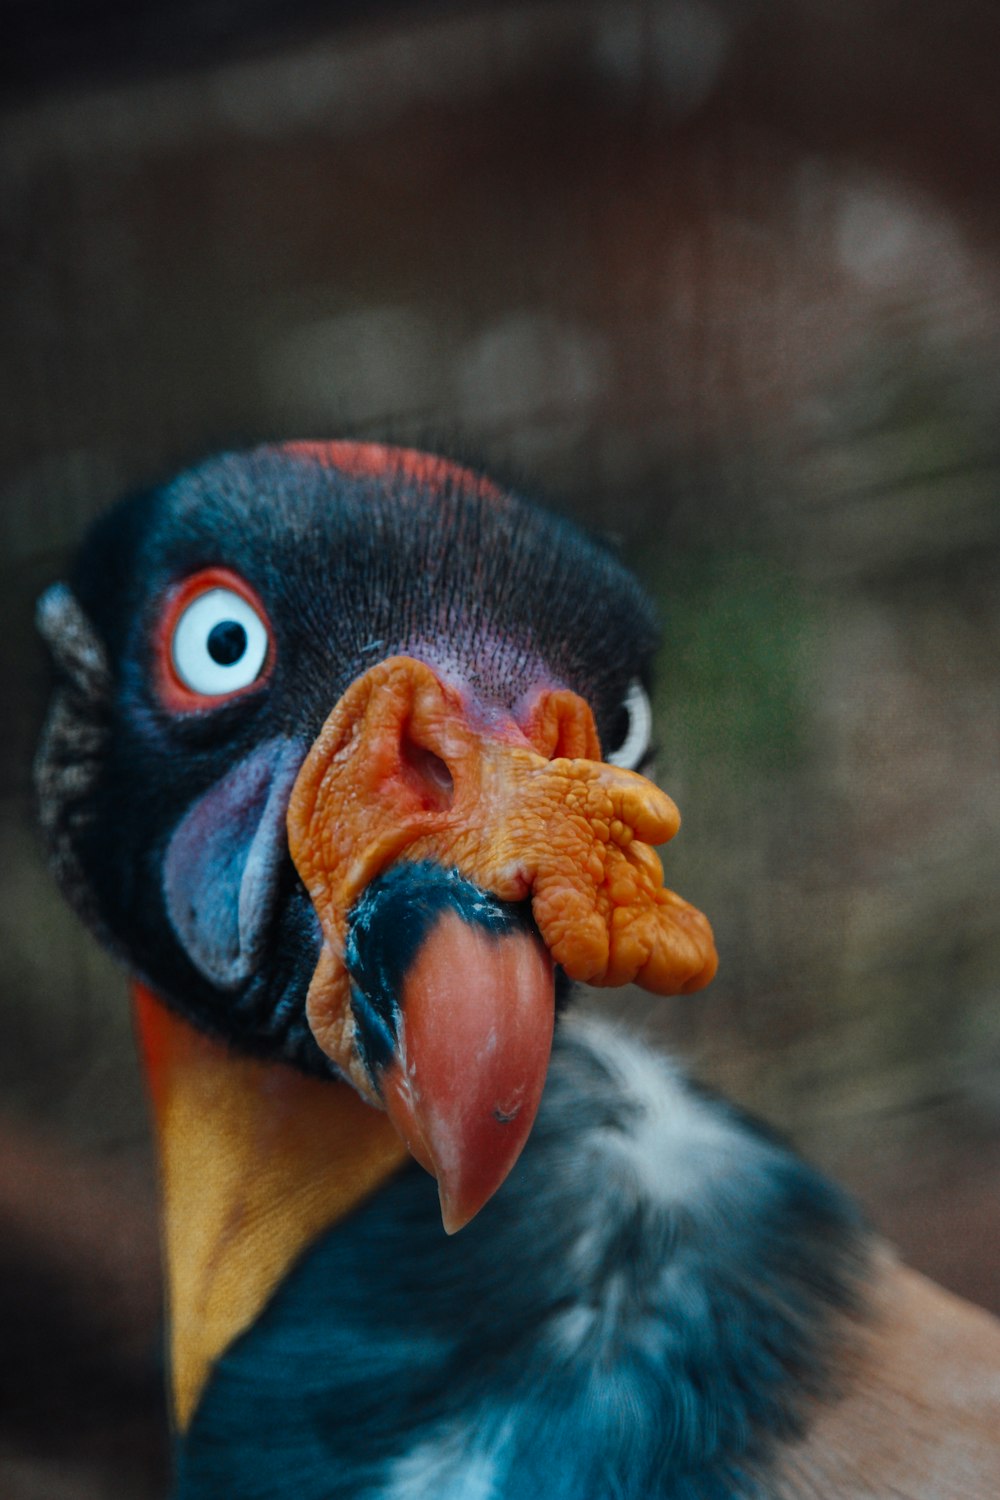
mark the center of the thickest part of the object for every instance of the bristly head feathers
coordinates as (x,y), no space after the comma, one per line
(358,565)
(353,561)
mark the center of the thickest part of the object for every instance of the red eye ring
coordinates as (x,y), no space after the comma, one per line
(174,693)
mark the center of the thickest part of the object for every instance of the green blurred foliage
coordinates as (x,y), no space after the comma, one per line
(734,683)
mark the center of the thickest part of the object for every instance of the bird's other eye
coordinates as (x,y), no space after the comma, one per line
(629,739)
(215,639)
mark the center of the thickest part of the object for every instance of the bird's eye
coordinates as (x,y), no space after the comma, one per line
(219,644)
(628,742)
(215,639)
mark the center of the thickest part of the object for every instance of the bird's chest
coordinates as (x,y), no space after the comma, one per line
(610,1325)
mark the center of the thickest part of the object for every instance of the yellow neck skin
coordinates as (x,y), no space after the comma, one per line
(256,1160)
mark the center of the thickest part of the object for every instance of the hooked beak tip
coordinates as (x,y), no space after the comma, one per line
(453,1218)
(472,1049)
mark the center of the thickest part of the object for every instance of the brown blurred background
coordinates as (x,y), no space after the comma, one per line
(721,278)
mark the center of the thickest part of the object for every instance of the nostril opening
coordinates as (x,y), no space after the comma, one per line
(429,772)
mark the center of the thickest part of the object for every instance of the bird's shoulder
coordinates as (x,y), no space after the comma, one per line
(919,1411)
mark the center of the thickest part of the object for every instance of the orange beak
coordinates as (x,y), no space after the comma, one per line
(450,867)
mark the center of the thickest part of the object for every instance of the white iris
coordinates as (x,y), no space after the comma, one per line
(219,644)
(635,746)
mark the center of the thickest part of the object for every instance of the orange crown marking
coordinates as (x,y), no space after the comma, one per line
(381,460)
(397,769)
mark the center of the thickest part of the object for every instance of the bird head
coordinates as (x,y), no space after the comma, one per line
(324,767)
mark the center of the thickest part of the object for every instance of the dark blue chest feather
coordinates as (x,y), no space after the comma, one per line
(643,1313)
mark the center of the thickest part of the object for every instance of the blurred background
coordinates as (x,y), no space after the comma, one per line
(718,278)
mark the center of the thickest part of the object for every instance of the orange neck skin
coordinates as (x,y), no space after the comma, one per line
(256,1161)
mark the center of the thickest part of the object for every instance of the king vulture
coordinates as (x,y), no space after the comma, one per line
(344,762)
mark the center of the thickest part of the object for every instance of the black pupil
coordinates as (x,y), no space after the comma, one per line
(618,732)
(227,642)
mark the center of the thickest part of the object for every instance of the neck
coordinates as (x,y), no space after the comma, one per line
(256,1161)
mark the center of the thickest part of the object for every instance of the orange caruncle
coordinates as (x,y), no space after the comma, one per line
(398,770)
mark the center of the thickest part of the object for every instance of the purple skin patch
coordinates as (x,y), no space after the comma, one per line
(221,868)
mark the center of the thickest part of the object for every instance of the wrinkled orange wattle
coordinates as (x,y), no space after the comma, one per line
(398,771)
